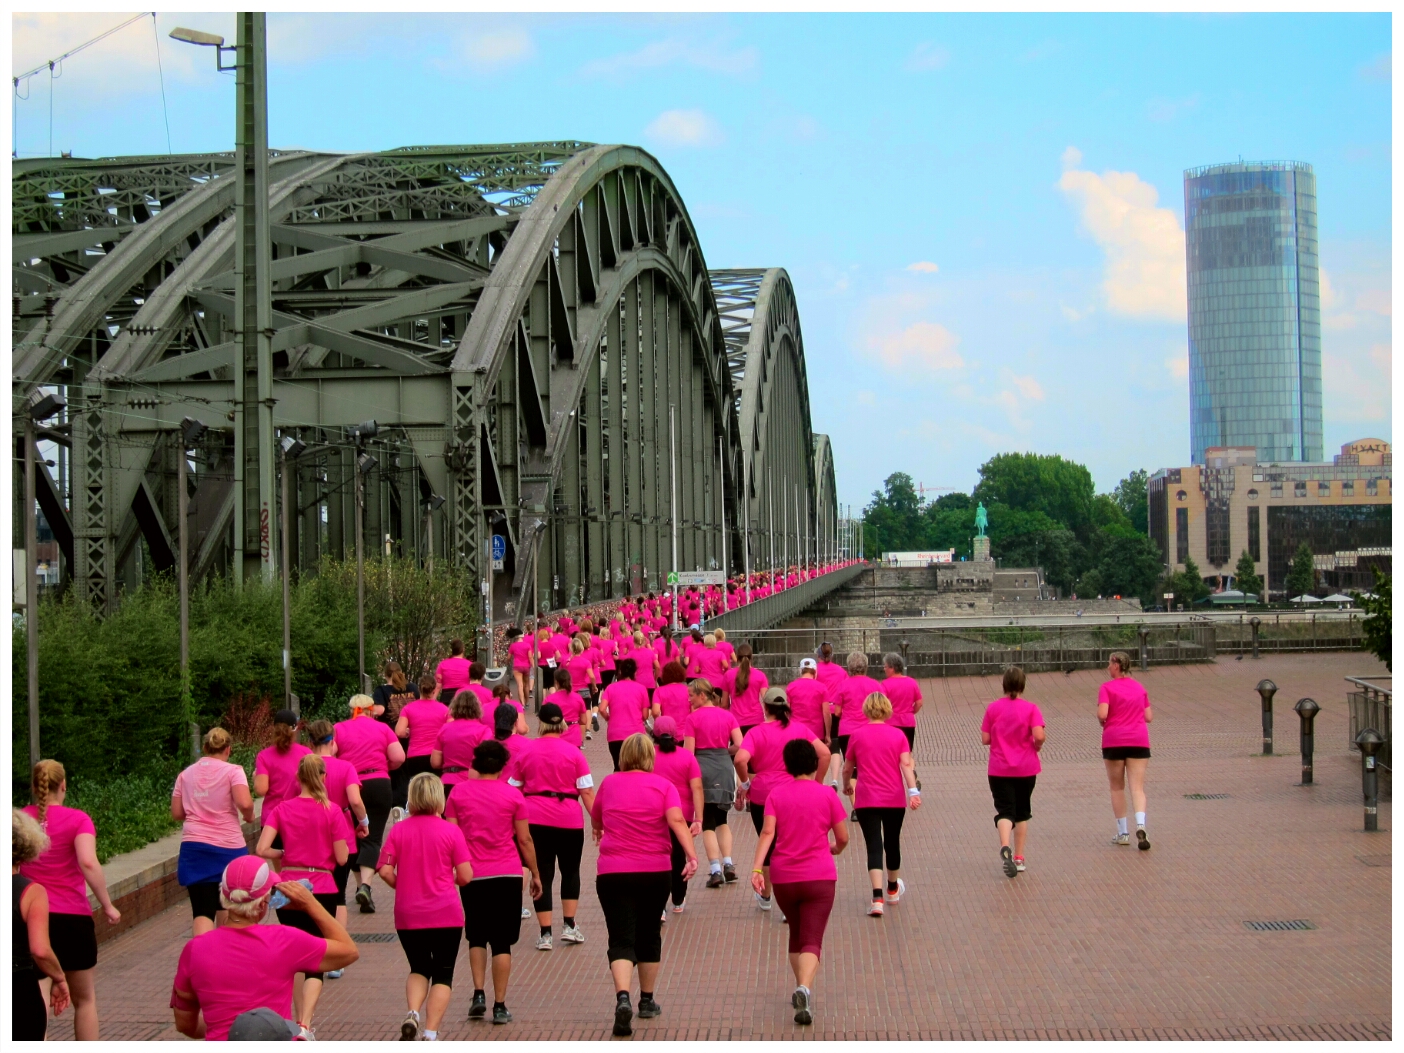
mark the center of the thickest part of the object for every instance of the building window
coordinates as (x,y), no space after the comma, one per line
(1348,488)
(1254,534)
(1181,534)
(1372,488)
(1299,489)
(1253,494)
(1323,489)
(1179,495)
(1277,488)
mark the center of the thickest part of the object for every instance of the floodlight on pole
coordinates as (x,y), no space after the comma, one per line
(292,448)
(43,405)
(204,40)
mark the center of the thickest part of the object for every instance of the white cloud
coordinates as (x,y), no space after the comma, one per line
(1027,387)
(925,57)
(1329,297)
(1360,382)
(1071,158)
(1375,300)
(498,48)
(1178,365)
(1144,275)
(685,128)
(675,52)
(925,346)
(923,267)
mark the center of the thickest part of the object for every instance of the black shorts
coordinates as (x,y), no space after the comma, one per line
(911,736)
(74,940)
(300,919)
(840,744)
(492,912)
(432,953)
(713,816)
(758,821)
(341,873)
(1125,753)
(746,729)
(204,899)
(1012,796)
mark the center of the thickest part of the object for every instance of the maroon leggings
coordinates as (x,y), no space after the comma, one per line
(807,905)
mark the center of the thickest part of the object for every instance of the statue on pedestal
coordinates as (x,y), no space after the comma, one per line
(982,520)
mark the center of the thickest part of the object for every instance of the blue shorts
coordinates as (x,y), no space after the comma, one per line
(201,863)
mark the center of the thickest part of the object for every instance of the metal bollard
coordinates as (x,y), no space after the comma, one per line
(1307,710)
(194,741)
(1144,634)
(1266,688)
(905,645)
(1255,622)
(1370,742)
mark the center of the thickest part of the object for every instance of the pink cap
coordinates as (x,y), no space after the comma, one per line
(247,878)
(665,726)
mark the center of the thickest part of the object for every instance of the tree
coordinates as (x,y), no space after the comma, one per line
(1301,578)
(1187,585)
(1247,577)
(1044,483)
(1130,497)
(1057,551)
(1130,566)
(953,502)
(1378,624)
(1089,586)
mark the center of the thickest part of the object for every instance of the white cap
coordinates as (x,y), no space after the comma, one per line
(809,663)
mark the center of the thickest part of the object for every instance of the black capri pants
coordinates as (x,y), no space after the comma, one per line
(633,908)
(714,815)
(1012,797)
(300,919)
(432,953)
(553,844)
(677,886)
(758,821)
(377,796)
(492,912)
(882,833)
(29,1016)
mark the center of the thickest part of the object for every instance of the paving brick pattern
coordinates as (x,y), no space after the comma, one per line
(1092,942)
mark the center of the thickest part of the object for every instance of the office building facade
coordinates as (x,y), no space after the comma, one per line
(1254,310)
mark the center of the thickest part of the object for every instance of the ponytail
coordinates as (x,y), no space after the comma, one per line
(312,774)
(743,669)
(666,743)
(48,776)
(283,736)
(396,676)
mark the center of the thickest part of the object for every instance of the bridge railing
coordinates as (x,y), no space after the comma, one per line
(772,610)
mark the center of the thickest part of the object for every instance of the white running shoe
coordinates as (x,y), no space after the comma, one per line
(572,934)
(678,907)
(409,1029)
(543,942)
(762,902)
(665,916)
(893,897)
(875,909)
(1121,839)
(526,912)
(1019,864)
(306,1034)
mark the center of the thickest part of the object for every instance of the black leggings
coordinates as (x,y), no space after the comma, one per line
(204,899)
(29,1017)
(679,860)
(758,821)
(633,908)
(492,912)
(555,843)
(882,828)
(400,777)
(614,748)
(377,796)
(432,953)
(300,919)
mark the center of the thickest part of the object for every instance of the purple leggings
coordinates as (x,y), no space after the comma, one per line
(807,905)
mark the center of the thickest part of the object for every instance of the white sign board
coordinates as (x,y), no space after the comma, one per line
(20,577)
(684,578)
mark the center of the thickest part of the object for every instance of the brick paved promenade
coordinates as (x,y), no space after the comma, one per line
(1093,941)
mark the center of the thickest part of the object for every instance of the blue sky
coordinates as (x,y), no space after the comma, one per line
(982,215)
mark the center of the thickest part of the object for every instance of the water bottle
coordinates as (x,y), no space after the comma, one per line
(279,901)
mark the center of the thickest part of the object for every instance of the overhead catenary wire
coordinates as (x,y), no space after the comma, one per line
(161,73)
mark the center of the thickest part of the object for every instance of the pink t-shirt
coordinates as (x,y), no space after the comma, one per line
(848,698)
(711,726)
(830,674)
(206,792)
(573,709)
(606,647)
(582,668)
(57,868)
(766,745)
(456,741)
(805,811)
(453,672)
(630,807)
(904,693)
(628,702)
(746,706)
(340,775)
(1010,722)
(486,703)
(552,766)
(725,649)
(877,751)
(673,702)
(668,651)
(426,718)
(234,969)
(309,831)
(560,648)
(679,768)
(643,667)
(487,811)
(489,708)
(1126,702)
(711,664)
(362,742)
(281,769)
(520,651)
(807,697)
(424,850)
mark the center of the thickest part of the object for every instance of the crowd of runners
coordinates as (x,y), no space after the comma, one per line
(441,790)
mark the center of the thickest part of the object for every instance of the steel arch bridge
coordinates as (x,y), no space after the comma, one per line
(532,327)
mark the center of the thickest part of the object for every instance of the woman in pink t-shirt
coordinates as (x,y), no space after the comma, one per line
(1013,730)
(452,673)
(624,705)
(800,813)
(425,860)
(728,652)
(492,813)
(760,764)
(679,767)
(209,798)
(312,833)
(633,813)
(519,651)
(670,698)
(275,768)
(744,687)
(64,868)
(371,747)
(648,667)
(809,699)
(1124,711)
(712,735)
(581,665)
(344,792)
(453,750)
(886,788)
(573,710)
(419,725)
(710,662)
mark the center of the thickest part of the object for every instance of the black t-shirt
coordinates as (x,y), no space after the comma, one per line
(386,695)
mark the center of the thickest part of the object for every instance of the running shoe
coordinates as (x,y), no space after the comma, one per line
(572,934)
(729,872)
(893,897)
(1121,839)
(678,907)
(800,1000)
(623,1019)
(588,736)
(501,1015)
(1007,854)
(648,1008)
(762,902)
(1142,841)
(1019,864)
(543,942)
(875,909)
(396,814)
(715,879)
(526,913)
(595,722)
(409,1028)
(305,1034)
(335,974)
(852,817)
(665,915)
(365,899)
(479,1006)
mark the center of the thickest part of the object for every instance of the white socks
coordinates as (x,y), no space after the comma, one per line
(727,861)
(1121,827)
(431,1036)
(1140,818)
(714,866)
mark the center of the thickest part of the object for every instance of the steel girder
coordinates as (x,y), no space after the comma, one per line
(519,320)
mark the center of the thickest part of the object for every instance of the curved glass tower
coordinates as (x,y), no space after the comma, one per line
(1254,309)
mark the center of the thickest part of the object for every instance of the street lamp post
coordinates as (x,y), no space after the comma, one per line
(364,463)
(434,504)
(40,407)
(292,448)
(190,432)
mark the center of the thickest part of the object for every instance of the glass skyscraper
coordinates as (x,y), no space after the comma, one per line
(1254,309)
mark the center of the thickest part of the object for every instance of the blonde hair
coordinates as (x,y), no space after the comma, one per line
(426,794)
(45,779)
(720,634)
(30,839)
(217,740)
(877,706)
(576,647)
(637,753)
(710,639)
(362,702)
(312,774)
(1122,660)
(251,910)
(703,688)
(640,640)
